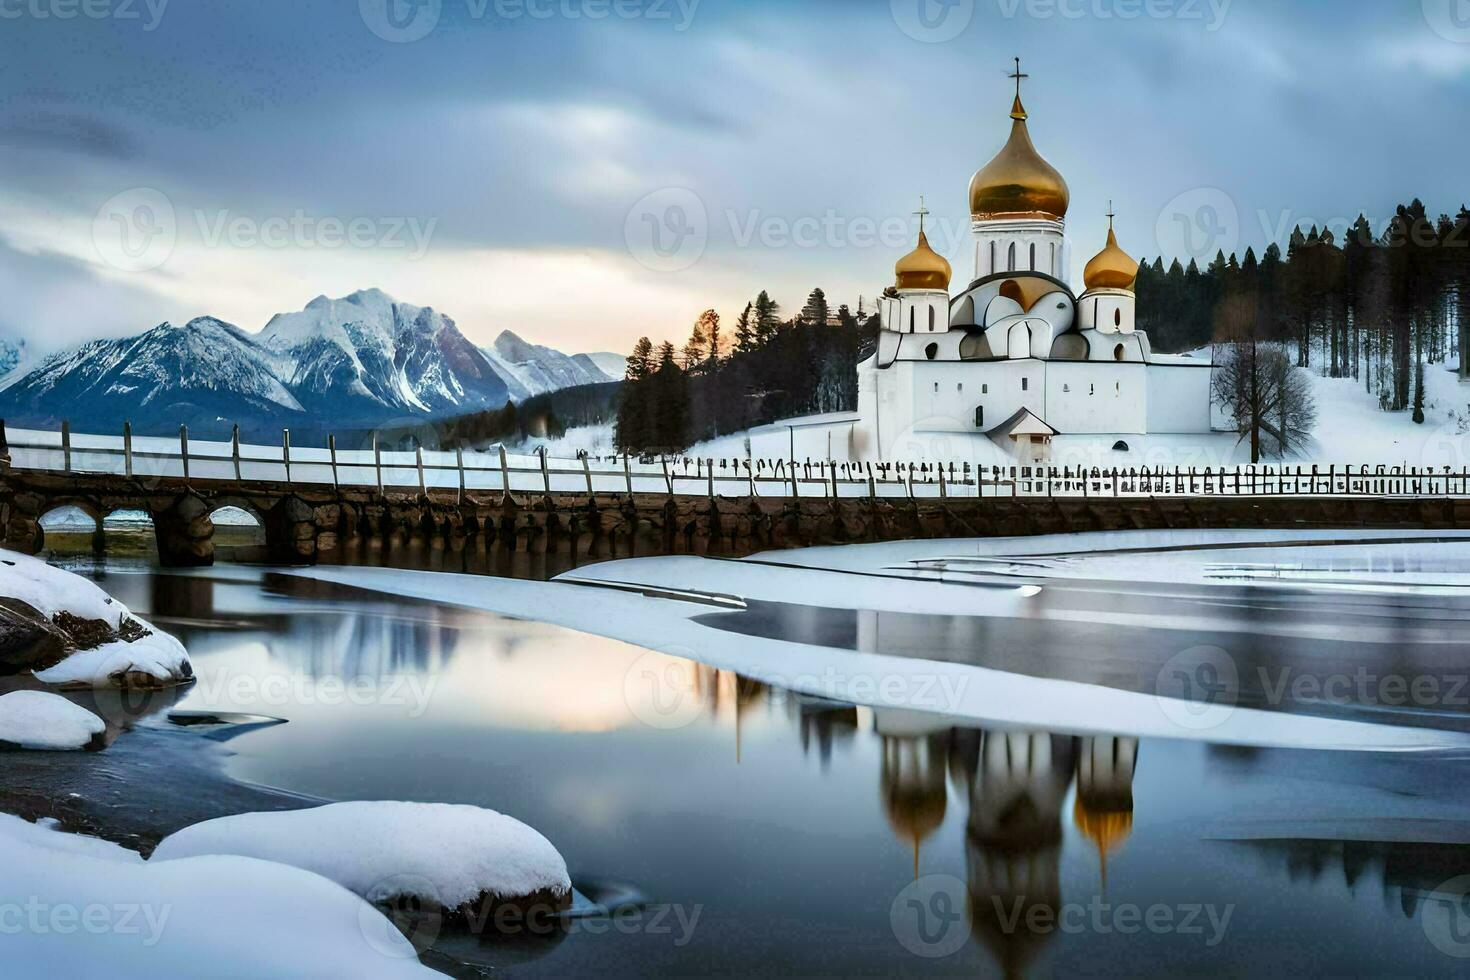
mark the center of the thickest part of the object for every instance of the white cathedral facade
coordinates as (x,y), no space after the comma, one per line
(1017,366)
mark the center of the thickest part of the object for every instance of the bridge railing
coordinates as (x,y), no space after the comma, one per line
(466,471)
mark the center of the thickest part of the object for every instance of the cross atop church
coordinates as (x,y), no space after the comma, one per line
(922,213)
(1018,111)
(1018,75)
(1111,215)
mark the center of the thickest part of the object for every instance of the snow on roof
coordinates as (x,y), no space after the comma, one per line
(808,421)
(1023,423)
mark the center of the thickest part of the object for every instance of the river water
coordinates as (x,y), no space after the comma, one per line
(770,832)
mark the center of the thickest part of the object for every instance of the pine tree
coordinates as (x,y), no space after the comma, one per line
(1419,393)
(633,427)
(745,341)
(767,318)
(815,312)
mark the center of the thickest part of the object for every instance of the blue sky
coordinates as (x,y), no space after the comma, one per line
(508,161)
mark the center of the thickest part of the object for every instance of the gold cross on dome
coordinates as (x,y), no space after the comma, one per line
(1111,215)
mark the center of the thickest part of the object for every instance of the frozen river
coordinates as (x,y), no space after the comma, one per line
(1233,755)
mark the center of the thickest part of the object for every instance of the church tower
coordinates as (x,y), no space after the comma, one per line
(921,303)
(1018,206)
(1109,306)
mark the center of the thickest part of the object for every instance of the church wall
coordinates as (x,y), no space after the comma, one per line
(1094,397)
(994,241)
(1178,398)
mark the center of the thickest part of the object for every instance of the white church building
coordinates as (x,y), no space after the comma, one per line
(1016,366)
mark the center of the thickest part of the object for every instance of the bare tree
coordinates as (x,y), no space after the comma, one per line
(1265,393)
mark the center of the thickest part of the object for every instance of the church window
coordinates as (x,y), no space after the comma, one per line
(1120,446)
(1118,317)
(1054,270)
(936,387)
(980,417)
(1033,256)
(1011,258)
(1092,389)
(931,352)
(931,319)
(992,258)
(960,387)
(911,320)
(1117,387)
(1118,353)
(1066,388)
(985,389)
(1025,384)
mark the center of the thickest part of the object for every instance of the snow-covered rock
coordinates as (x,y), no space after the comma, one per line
(455,857)
(38,720)
(70,633)
(85,902)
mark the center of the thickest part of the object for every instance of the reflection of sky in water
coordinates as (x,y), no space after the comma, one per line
(796,823)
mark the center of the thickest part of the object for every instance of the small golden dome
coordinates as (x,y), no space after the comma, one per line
(1112,268)
(923,268)
(1018,183)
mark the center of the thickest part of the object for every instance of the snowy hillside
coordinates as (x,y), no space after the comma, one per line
(362,361)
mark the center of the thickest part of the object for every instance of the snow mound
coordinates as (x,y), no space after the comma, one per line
(444,854)
(95,903)
(125,651)
(37,720)
(54,590)
(156,659)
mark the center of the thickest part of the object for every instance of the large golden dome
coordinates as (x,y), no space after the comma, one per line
(1018,183)
(1112,268)
(923,268)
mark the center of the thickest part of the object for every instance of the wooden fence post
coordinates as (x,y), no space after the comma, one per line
(459,465)
(795,487)
(332,449)
(184,449)
(587,472)
(504,471)
(628,473)
(286,452)
(872,483)
(545,473)
(235,450)
(378,463)
(711,464)
(943,490)
(419,460)
(668,480)
(128,450)
(65,446)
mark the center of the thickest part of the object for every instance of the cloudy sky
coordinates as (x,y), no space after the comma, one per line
(586,171)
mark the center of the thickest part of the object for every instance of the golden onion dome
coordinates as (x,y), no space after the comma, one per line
(1018,183)
(1112,268)
(923,268)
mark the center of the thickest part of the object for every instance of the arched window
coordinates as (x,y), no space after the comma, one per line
(1033,256)
(1118,353)
(931,319)
(1120,446)
(1054,269)
(980,417)
(931,352)
(911,319)
(1011,256)
(1118,317)
(991,270)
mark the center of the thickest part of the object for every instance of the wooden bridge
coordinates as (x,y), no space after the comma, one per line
(315,502)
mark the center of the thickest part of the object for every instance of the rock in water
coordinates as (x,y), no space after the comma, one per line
(477,868)
(38,720)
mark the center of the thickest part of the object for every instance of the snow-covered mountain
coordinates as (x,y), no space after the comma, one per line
(367,356)
(358,362)
(202,372)
(535,370)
